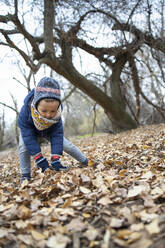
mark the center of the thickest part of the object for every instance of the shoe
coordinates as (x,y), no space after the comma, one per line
(84,164)
(58,167)
(25,176)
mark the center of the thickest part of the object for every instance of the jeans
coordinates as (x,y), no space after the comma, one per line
(24,157)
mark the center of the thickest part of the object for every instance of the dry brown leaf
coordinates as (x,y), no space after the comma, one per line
(3,232)
(45,211)
(120,242)
(21,224)
(67,203)
(123,173)
(153,227)
(25,239)
(76,225)
(124,234)
(137,227)
(11,212)
(23,212)
(157,191)
(35,204)
(106,239)
(147,175)
(99,182)
(134,237)
(85,178)
(143,242)
(85,190)
(58,241)
(94,243)
(6,207)
(148,201)
(105,200)
(65,211)
(91,233)
(135,191)
(86,215)
(116,223)
(146,217)
(91,162)
(37,236)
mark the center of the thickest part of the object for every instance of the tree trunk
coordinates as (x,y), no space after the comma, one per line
(114,109)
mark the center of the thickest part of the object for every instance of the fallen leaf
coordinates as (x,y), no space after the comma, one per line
(84,190)
(153,227)
(3,233)
(37,236)
(106,239)
(58,241)
(23,212)
(135,191)
(76,225)
(104,201)
(85,178)
(21,224)
(67,203)
(25,239)
(134,237)
(91,233)
(116,223)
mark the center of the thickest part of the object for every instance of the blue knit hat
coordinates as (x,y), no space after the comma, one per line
(47,88)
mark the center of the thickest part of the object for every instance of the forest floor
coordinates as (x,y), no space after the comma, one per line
(117,201)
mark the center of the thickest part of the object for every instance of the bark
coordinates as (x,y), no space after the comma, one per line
(48,26)
(2,128)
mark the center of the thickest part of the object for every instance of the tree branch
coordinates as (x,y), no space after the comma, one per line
(10,32)
(155,106)
(7,106)
(146,38)
(22,53)
(48,26)
(133,10)
(69,94)
(136,83)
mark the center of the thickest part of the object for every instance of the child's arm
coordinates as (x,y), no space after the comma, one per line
(28,133)
(30,141)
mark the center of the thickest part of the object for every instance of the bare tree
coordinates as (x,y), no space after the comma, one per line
(2,127)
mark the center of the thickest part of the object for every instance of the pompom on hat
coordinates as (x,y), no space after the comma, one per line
(47,88)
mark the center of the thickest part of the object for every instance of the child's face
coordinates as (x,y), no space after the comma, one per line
(48,109)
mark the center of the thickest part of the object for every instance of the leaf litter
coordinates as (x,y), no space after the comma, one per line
(117,201)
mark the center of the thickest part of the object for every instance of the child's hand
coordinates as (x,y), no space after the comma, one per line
(56,164)
(41,162)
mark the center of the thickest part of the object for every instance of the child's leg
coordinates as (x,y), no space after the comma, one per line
(24,157)
(73,151)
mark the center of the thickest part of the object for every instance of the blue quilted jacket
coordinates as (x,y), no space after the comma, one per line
(30,133)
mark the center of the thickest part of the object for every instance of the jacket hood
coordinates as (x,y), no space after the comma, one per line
(47,88)
(29,97)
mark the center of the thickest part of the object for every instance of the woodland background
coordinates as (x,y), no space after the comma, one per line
(108,57)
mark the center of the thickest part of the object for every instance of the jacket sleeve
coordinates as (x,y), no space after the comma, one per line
(56,138)
(28,132)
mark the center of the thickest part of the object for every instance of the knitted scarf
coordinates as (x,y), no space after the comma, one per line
(42,123)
